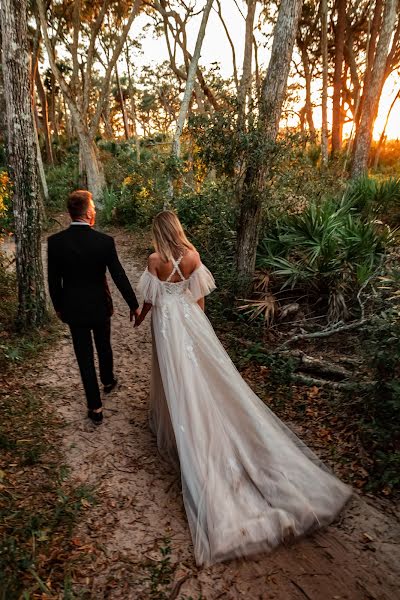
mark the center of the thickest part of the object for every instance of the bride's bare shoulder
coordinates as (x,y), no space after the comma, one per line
(193,257)
(153,262)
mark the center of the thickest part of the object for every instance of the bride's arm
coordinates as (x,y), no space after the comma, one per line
(201,303)
(147,306)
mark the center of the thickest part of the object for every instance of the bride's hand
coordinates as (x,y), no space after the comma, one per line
(138,318)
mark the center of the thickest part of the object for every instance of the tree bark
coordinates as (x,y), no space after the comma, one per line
(337,121)
(272,98)
(23,164)
(324,52)
(363,139)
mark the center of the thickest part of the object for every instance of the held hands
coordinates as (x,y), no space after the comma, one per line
(138,317)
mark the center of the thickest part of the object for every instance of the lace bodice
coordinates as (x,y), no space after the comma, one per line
(157,292)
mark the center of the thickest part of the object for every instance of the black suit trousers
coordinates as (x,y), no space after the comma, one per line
(83,346)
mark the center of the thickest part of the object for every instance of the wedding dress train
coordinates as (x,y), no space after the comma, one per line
(248,482)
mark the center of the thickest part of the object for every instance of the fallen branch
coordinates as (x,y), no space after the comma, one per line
(338,328)
(310,363)
(335,385)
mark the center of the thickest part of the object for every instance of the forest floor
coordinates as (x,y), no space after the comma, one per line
(132,541)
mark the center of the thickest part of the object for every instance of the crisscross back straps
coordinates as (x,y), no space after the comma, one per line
(176,269)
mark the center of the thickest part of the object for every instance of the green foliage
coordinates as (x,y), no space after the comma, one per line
(38,506)
(380,408)
(161,573)
(375,198)
(62,180)
(141,194)
(327,251)
(6,216)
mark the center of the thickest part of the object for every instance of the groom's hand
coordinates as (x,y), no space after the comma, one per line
(134,313)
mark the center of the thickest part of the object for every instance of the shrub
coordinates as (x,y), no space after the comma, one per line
(6,217)
(327,251)
(375,198)
(62,180)
(380,408)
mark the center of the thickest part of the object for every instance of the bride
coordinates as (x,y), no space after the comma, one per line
(248,482)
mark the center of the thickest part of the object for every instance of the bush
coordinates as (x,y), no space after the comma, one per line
(6,217)
(380,408)
(375,198)
(327,251)
(62,180)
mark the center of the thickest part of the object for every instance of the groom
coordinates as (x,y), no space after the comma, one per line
(78,258)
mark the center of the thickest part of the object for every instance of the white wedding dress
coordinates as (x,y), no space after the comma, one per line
(248,482)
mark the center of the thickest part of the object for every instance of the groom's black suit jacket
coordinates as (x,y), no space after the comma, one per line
(78,258)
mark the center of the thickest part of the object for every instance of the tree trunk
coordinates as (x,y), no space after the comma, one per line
(324,52)
(122,101)
(308,105)
(133,107)
(93,167)
(245,82)
(190,81)
(337,120)
(383,134)
(373,36)
(23,164)
(362,142)
(272,98)
(45,117)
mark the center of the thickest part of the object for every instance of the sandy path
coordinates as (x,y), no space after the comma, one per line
(139,501)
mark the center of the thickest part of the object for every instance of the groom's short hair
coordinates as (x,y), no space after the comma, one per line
(78,203)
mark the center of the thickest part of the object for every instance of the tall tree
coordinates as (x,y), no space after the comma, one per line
(78,90)
(363,139)
(23,163)
(272,98)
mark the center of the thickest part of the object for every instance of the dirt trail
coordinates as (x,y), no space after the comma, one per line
(140,501)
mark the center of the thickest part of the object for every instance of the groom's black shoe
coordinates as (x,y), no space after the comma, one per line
(96,417)
(110,386)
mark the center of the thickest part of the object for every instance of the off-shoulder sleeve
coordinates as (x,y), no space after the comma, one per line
(149,287)
(201,282)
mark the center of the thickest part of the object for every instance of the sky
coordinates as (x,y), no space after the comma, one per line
(216,48)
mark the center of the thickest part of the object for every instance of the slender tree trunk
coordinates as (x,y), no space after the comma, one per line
(122,101)
(362,142)
(383,134)
(245,82)
(190,81)
(324,52)
(41,173)
(176,142)
(337,120)
(272,98)
(133,107)
(308,104)
(45,117)
(23,164)
(372,40)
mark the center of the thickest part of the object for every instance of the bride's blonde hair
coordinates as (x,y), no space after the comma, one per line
(169,239)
